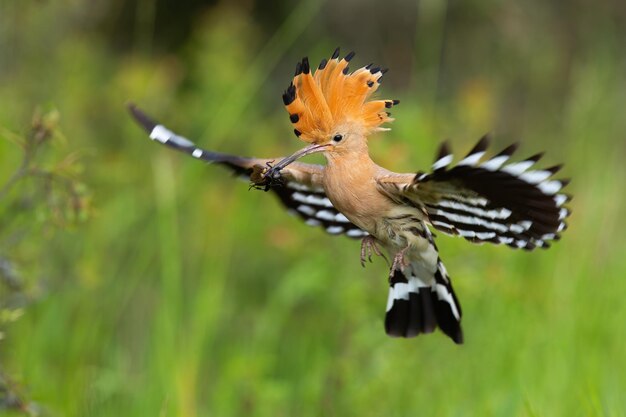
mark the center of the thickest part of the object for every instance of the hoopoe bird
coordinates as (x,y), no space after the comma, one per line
(479,199)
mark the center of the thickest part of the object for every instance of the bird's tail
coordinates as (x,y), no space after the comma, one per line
(420,301)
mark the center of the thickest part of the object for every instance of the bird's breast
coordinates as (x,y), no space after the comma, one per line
(355,194)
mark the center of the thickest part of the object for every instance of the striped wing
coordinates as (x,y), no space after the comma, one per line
(315,209)
(298,192)
(491,201)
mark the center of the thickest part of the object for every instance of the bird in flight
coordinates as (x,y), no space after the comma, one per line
(480,199)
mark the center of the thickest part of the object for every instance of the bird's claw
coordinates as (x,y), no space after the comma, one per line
(369,247)
(398,263)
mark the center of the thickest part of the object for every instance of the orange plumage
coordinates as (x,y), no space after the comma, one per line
(317,103)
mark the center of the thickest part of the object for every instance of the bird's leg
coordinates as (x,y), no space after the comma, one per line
(398,261)
(369,246)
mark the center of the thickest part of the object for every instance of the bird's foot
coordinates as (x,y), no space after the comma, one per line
(399,262)
(263,177)
(369,247)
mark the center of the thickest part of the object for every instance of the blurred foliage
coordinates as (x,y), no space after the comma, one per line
(185,294)
(41,196)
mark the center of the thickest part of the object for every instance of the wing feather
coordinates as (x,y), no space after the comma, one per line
(487,202)
(300,189)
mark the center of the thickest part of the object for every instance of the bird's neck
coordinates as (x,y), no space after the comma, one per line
(355,158)
(350,166)
(350,184)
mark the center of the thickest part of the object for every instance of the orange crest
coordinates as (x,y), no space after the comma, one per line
(317,103)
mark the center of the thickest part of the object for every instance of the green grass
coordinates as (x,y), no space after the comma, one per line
(185,294)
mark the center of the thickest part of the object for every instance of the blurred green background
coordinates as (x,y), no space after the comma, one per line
(175,291)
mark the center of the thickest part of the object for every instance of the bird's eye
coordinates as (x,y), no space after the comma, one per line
(337,138)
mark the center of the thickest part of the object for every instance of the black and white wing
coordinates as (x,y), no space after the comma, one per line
(489,201)
(300,191)
(315,209)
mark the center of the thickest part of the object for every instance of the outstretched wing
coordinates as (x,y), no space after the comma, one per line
(300,191)
(488,201)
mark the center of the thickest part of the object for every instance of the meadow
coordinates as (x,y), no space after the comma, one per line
(160,286)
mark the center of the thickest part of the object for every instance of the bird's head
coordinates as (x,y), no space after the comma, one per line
(331,108)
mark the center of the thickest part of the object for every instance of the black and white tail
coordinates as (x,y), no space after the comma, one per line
(493,201)
(420,301)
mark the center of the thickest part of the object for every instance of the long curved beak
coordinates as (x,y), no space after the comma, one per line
(311,149)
